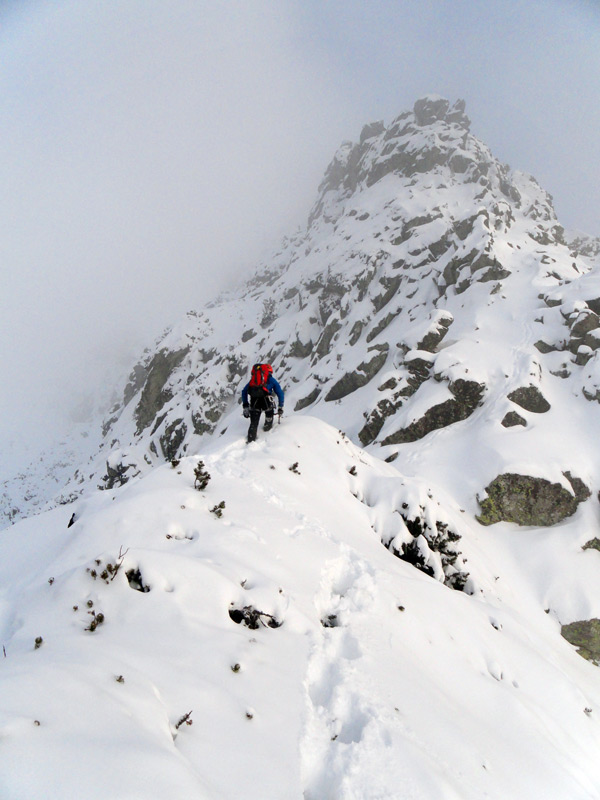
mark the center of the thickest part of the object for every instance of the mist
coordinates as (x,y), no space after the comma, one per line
(154,150)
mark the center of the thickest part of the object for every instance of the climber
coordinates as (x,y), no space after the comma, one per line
(257,396)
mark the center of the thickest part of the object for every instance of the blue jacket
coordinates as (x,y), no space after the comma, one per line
(272,386)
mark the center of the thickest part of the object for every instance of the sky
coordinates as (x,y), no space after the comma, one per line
(154,150)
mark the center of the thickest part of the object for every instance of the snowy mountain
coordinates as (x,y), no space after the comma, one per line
(311,661)
(413,589)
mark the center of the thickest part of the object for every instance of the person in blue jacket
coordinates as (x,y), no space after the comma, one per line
(257,396)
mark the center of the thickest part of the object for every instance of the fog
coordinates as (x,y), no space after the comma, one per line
(153,150)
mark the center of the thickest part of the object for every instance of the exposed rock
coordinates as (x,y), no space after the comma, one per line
(352,381)
(593,544)
(355,332)
(172,439)
(583,355)
(512,418)
(494,273)
(583,322)
(530,398)
(419,370)
(585,636)
(371,129)
(436,333)
(375,421)
(391,286)
(457,115)
(247,335)
(526,500)
(382,325)
(300,350)
(592,339)
(544,347)
(308,400)
(200,426)
(136,381)
(467,396)
(324,344)
(580,490)
(429,109)
(154,395)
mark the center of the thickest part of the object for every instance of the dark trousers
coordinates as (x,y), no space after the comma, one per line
(257,406)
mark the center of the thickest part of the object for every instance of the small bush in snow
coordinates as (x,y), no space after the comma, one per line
(218,509)
(202,477)
(187,719)
(38,642)
(97,619)
(294,468)
(253,618)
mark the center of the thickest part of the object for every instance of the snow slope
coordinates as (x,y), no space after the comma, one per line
(379,681)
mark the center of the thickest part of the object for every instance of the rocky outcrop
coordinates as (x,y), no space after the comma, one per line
(511,419)
(530,398)
(154,395)
(526,500)
(308,400)
(365,371)
(585,636)
(466,397)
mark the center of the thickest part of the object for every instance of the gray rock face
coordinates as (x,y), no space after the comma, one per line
(467,396)
(154,395)
(352,381)
(435,334)
(512,418)
(585,636)
(526,500)
(530,398)
(371,129)
(583,322)
(172,439)
(308,400)
(428,110)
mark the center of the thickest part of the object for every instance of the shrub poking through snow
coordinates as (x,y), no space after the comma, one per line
(185,720)
(428,543)
(107,572)
(253,618)
(135,580)
(202,476)
(97,619)
(38,643)
(218,509)
(294,468)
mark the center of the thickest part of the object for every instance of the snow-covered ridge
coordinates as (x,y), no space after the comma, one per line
(361,677)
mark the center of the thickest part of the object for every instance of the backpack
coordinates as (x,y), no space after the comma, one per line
(259,377)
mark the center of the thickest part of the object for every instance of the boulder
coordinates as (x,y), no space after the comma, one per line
(512,418)
(530,398)
(584,634)
(526,500)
